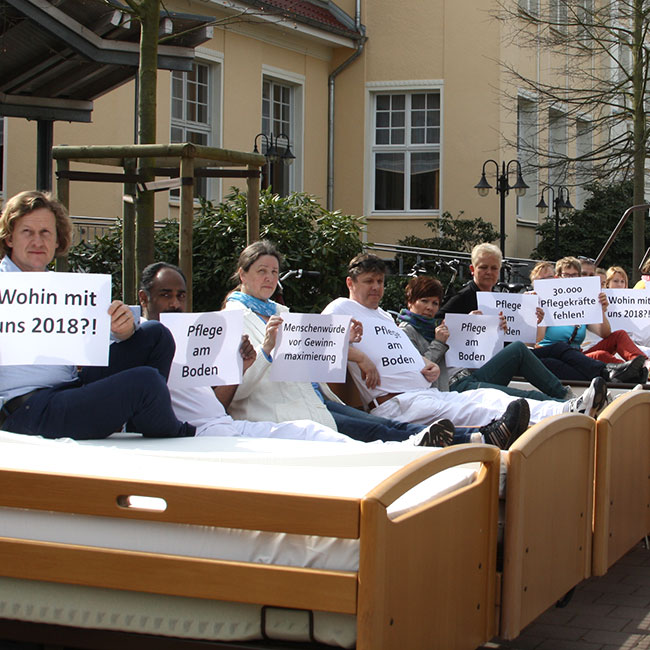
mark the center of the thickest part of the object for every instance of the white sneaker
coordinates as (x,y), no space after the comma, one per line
(592,401)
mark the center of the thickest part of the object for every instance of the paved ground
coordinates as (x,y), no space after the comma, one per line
(607,613)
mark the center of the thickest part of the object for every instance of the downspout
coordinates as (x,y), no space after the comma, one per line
(330,103)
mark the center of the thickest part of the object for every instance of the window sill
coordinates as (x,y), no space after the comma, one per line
(525,223)
(385,216)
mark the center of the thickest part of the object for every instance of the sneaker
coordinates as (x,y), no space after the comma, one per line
(438,434)
(569,394)
(503,432)
(592,401)
(639,387)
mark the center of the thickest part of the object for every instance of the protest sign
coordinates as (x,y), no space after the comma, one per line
(396,358)
(473,339)
(311,347)
(207,348)
(569,301)
(55,319)
(519,312)
(629,310)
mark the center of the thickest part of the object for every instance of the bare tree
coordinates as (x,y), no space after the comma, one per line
(597,76)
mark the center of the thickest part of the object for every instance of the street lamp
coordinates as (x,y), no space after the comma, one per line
(503,187)
(560,202)
(272,152)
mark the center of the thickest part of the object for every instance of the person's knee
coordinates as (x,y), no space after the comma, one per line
(158,334)
(518,348)
(146,379)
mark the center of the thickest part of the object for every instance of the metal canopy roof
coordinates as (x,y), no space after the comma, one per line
(57,56)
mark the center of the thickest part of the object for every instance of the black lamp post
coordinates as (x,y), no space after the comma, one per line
(560,202)
(503,188)
(272,153)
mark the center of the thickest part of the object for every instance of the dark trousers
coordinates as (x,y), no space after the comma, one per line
(367,427)
(567,362)
(132,389)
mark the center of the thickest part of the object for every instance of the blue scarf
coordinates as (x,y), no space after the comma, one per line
(262,307)
(424,325)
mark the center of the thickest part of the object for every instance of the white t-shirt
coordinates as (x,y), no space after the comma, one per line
(387,346)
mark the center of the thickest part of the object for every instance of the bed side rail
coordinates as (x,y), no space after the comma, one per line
(427,578)
(622,494)
(549,506)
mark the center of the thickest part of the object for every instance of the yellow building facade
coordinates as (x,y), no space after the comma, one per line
(420,103)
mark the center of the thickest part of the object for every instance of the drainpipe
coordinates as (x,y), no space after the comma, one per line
(330,103)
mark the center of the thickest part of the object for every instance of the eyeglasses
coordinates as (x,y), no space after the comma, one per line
(570,275)
(589,260)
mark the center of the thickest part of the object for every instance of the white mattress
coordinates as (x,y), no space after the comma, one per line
(266,464)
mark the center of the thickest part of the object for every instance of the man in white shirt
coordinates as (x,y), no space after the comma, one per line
(395,381)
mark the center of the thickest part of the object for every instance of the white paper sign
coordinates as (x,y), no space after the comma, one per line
(473,339)
(207,348)
(397,359)
(311,347)
(570,301)
(54,318)
(629,310)
(519,312)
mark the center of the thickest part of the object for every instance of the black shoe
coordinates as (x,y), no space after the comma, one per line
(626,372)
(438,434)
(503,432)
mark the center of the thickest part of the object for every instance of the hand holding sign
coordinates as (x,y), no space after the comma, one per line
(473,339)
(311,347)
(570,301)
(207,348)
(54,318)
(518,309)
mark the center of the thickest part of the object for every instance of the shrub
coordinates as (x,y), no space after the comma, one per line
(308,236)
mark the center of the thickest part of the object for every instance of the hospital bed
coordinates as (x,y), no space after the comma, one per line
(404,540)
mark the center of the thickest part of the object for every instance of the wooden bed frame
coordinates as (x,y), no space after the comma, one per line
(622,493)
(548,506)
(426,579)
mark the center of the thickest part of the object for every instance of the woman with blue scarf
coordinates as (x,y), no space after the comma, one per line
(258,398)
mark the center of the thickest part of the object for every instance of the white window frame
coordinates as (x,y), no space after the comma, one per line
(406,87)
(214,62)
(296,138)
(558,142)
(531,7)
(584,145)
(558,15)
(527,132)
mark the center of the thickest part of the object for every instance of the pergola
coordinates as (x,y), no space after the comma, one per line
(178,165)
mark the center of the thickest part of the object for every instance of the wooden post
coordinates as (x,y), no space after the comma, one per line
(253,207)
(63,194)
(129,279)
(186,221)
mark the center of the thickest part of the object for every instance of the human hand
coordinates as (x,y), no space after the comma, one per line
(442,332)
(247,352)
(431,371)
(604,303)
(122,321)
(271,333)
(356,331)
(503,324)
(540,314)
(369,372)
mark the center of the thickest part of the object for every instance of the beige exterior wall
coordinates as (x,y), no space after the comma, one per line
(440,45)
